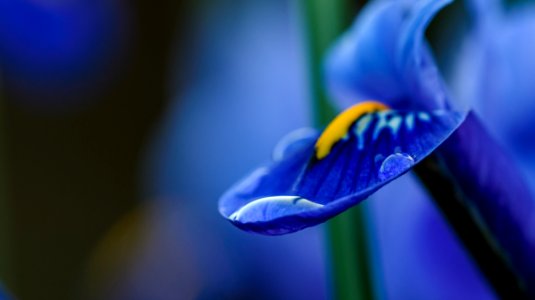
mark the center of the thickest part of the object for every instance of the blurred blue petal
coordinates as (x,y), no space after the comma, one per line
(384,57)
(302,190)
(496,75)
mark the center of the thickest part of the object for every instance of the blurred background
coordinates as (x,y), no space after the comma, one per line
(122,122)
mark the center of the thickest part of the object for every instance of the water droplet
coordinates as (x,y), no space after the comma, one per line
(394,165)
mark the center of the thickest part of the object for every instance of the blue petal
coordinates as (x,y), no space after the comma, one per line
(495,192)
(384,56)
(299,190)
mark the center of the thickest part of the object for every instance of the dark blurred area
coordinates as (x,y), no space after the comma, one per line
(83,84)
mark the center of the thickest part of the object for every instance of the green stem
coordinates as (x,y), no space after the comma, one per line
(325,21)
(350,258)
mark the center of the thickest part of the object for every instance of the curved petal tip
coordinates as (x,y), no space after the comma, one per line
(384,56)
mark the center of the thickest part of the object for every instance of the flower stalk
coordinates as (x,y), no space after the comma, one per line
(347,233)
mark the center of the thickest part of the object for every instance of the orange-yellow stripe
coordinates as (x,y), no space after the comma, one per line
(338,127)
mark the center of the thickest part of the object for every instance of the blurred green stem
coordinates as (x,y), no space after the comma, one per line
(325,21)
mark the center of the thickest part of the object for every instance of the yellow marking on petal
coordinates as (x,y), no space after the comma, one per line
(339,127)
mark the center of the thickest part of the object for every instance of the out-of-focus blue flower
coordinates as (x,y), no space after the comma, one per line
(55,53)
(486,176)
(496,74)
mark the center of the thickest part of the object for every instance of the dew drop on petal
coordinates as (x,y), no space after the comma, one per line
(394,165)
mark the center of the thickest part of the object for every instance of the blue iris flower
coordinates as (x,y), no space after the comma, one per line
(384,56)
(314,177)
